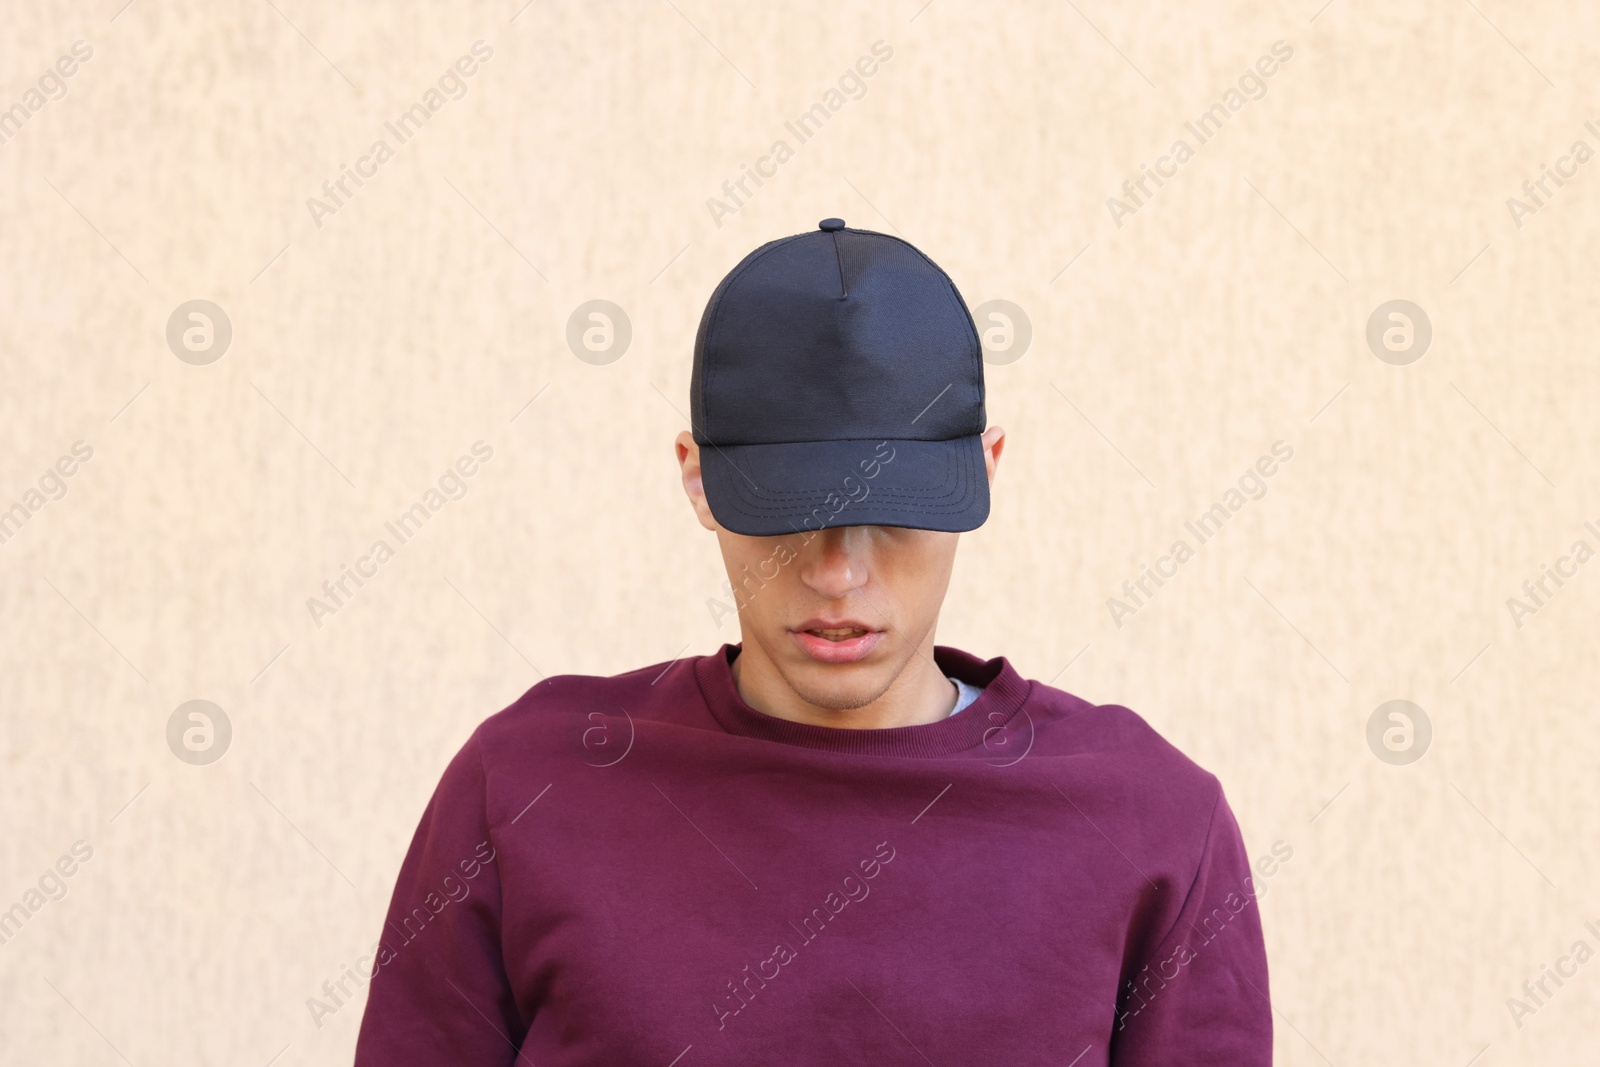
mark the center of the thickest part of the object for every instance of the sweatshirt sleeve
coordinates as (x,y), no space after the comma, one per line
(439,994)
(1201,997)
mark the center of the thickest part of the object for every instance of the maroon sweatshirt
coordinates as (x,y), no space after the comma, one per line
(643,869)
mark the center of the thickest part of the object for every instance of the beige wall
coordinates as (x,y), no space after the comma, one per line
(1226,313)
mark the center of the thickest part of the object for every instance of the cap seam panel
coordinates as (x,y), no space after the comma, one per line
(711,327)
(954,296)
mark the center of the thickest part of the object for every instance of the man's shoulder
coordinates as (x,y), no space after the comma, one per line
(641,692)
(1117,745)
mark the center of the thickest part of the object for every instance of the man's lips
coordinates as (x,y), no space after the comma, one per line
(836,640)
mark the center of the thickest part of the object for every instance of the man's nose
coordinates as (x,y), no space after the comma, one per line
(835,562)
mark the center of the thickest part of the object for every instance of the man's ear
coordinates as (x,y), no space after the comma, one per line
(689,466)
(994,440)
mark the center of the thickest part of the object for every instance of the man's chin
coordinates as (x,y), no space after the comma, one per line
(837,686)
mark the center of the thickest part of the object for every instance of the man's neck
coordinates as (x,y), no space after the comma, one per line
(920,694)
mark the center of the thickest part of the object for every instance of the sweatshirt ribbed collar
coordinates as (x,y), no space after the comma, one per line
(979,729)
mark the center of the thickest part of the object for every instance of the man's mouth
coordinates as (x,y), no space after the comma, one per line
(841,634)
(836,640)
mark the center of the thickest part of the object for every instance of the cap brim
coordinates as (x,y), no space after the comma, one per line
(795,487)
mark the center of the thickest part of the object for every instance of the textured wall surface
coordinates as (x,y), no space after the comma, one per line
(375,334)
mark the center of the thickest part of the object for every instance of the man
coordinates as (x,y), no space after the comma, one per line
(835,842)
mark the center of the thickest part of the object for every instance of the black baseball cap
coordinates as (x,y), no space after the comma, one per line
(838,381)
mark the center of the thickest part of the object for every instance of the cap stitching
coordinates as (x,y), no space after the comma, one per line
(844,291)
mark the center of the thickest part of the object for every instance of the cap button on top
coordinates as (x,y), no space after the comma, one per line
(831,225)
